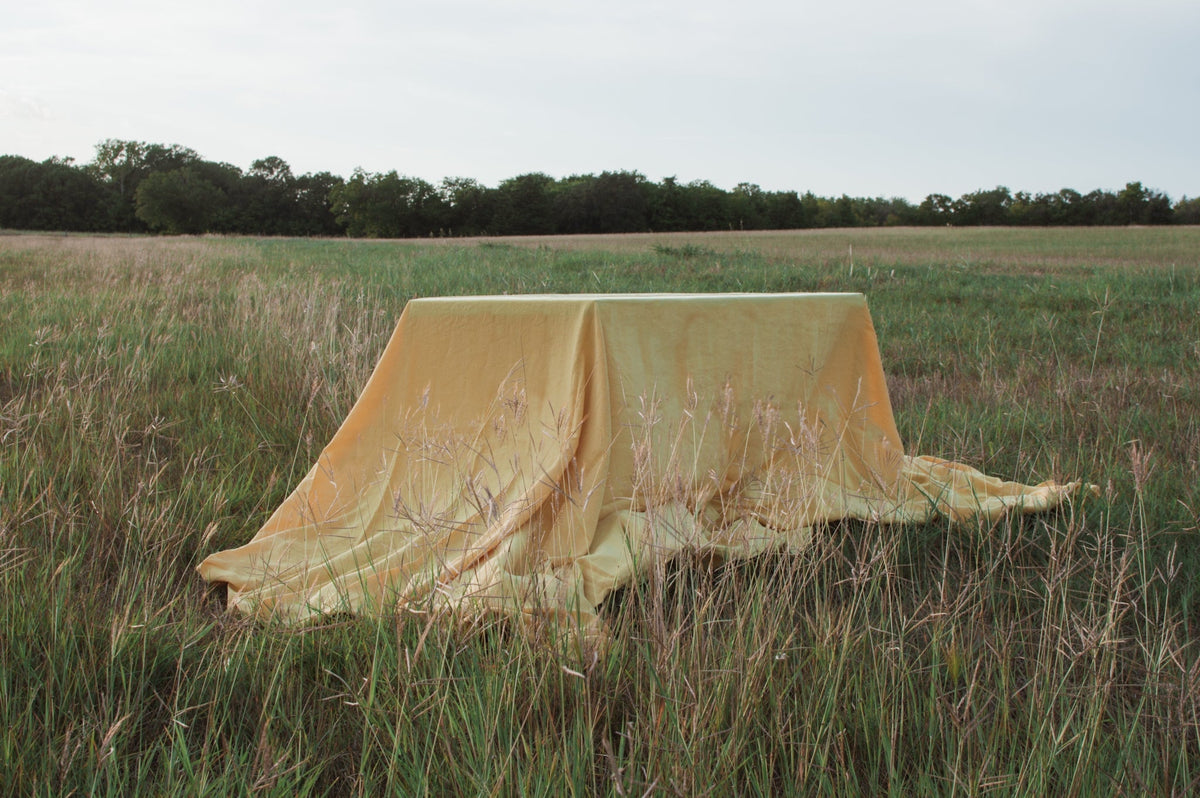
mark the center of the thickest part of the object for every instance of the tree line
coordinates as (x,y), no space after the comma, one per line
(133,186)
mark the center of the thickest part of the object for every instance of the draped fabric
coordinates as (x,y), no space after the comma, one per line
(529,454)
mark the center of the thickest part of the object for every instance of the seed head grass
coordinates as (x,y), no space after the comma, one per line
(160,397)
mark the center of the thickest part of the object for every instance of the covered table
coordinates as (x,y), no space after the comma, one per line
(529,454)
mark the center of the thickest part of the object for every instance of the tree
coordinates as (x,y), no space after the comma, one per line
(810,206)
(314,208)
(1187,211)
(1158,209)
(388,206)
(470,206)
(620,201)
(836,213)
(706,207)
(784,210)
(268,198)
(574,205)
(614,202)
(935,209)
(118,163)
(1139,205)
(1027,209)
(179,201)
(51,195)
(121,165)
(1066,208)
(1100,207)
(902,212)
(525,205)
(748,207)
(665,206)
(185,193)
(983,207)
(881,211)
(272,169)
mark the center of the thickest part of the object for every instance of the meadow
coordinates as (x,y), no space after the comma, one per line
(160,396)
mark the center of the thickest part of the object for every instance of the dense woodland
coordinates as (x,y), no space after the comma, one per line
(133,186)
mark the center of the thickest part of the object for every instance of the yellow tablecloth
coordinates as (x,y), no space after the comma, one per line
(530,454)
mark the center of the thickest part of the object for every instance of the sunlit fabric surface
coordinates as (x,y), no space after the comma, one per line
(529,454)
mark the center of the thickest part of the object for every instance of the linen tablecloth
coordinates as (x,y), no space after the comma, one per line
(529,454)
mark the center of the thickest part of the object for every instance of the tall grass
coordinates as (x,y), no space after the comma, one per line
(158,398)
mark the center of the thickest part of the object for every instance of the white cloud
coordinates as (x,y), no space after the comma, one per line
(18,108)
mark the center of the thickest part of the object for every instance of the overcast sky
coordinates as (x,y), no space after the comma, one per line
(863,97)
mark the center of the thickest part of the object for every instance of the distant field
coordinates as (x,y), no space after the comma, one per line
(910,245)
(159,397)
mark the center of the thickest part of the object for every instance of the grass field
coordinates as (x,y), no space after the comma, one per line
(159,397)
